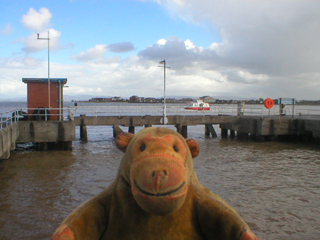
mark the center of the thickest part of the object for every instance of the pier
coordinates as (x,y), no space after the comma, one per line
(16,128)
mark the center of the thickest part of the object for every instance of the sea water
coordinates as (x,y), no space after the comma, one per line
(275,186)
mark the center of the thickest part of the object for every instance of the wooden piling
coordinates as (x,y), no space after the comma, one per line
(184,131)
(232,134)
(224,133)
(209,129)
(116,130)
(131,129)
(83,130)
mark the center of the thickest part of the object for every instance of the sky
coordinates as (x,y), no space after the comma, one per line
(240,49)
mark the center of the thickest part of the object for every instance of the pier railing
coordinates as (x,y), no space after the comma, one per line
(68,113)
(6,119)
(153,110)
(146,110)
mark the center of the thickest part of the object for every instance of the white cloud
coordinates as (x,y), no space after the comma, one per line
(162,41)
(95,55)
(268,47)
(7,30)
(189,45)
(37,21)
(265,36)
(181,54)
(32,44)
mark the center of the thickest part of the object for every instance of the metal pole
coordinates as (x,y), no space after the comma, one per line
(164,93)
(164,120)
(48,38)
(49,70)
(60,117)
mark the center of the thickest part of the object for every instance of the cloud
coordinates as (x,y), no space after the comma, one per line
(178,53)
(95,55)
(267,49)
(37,21)
(278,38)
(32,44)
(7,30)
(92,54)
(121,47)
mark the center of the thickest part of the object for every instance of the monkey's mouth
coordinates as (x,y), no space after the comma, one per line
(158,194)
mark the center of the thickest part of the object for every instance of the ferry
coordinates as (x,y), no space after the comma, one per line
(200,105)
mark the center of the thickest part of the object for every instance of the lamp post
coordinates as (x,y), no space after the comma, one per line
(164,120)
(48,38)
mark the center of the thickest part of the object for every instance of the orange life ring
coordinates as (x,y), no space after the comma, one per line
(269,103)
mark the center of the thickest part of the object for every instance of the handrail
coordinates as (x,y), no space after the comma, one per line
(8,117)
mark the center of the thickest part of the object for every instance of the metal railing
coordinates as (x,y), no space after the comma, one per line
(68,113)
(151,110)
(6,118)
(44,114)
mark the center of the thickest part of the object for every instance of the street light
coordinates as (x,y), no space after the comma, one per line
(164,120)
(38,38)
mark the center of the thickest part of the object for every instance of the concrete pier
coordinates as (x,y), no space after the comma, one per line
(8,138)
(267,128)
(60,134)
(49,134)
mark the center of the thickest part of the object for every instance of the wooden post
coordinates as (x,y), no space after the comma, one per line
(178,127)
(131,129)
(83,130)
(209,129)
(232,134)
(224,133)
(206,131)
(116,130)
(184,131)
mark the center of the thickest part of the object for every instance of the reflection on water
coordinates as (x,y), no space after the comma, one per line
(274,186)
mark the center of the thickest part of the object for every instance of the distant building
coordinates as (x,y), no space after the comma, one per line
(117,99)
(208,99)
(187,100)
(170,100)
(98,100)
(134,98)
(150,100)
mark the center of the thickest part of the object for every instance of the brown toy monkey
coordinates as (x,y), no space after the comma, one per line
(156,195)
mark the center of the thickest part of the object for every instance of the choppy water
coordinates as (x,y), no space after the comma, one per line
(274,186)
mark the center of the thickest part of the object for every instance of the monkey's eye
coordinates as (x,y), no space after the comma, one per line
(142,147)
(175,148)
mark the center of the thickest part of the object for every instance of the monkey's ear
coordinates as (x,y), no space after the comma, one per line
(123,139)
(194,147)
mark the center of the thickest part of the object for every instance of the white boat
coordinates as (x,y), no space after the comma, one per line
(200,105)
